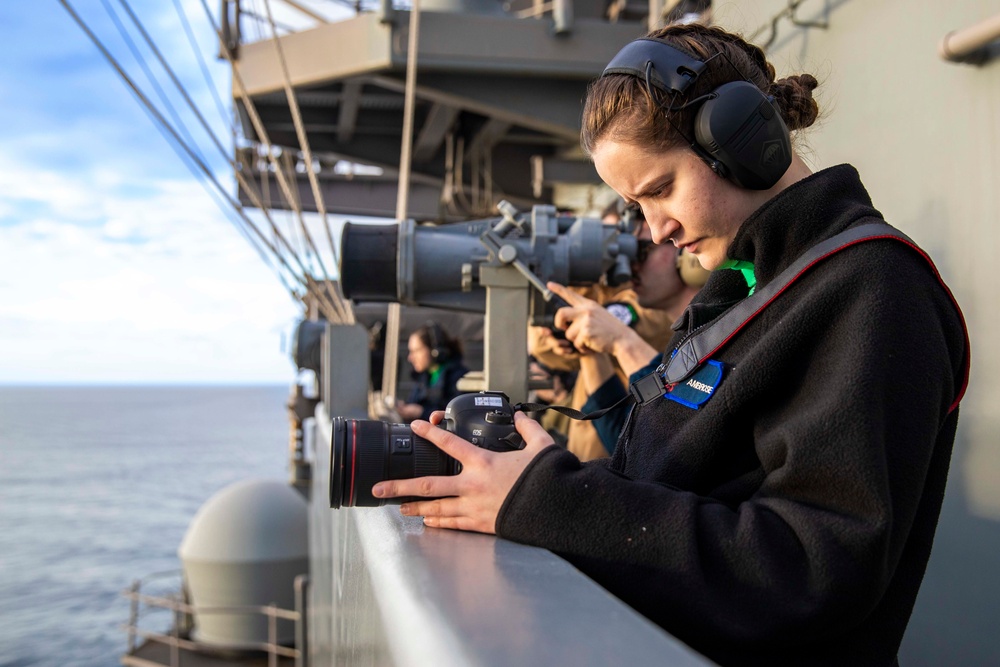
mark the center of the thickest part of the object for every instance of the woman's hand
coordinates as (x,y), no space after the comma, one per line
(472,499)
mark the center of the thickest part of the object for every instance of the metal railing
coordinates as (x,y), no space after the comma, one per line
(141,604)
(388,591)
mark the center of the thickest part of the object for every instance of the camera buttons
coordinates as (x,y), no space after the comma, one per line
(498,417)
(401,444)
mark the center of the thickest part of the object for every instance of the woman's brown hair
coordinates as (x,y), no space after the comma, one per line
(620,107)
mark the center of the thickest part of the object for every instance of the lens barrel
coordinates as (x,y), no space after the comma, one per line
(364,452)
(368,262)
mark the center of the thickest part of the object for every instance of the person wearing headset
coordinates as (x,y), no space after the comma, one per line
(774,494)
(664,280)
(436,358)
(643,309)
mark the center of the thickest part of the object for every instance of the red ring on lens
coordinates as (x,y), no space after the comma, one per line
(354,454)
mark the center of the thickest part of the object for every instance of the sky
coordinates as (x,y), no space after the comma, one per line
(116,266)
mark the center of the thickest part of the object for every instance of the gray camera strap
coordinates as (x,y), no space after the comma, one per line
(570,412)
(699,346)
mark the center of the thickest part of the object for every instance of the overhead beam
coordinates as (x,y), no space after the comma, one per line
(513,101)
(488,136)
(484,46)
(359,197)
(511,162)
(550,170)
(439,120)
(350,102)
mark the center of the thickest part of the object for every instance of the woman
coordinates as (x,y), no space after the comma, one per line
(788,518)
(436,358)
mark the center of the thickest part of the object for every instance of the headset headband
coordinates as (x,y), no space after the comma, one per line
(738,130)
(673,71)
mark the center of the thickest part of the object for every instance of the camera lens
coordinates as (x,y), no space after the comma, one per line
(364,452)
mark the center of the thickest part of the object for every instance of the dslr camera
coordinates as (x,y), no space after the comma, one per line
(364,452)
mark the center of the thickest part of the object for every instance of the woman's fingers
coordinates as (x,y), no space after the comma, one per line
(564,348)
(534,434)
(447,442)
(450,444)
(447,513)
(422,487)
(472,499)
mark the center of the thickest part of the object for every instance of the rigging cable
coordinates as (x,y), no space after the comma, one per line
(262,203)
(190,102)
(334,304)
(247,186)
(253,13)
(258,19)
(300,132)
(174,139)
(149,73)
(391,366)
(227,119)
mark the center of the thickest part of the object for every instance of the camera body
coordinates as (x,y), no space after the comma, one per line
(485,419)
(364,452)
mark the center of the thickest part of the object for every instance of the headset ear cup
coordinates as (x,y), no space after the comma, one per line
(741,128)
(437,339)
(692,273)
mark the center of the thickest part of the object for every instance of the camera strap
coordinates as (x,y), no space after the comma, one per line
(698,347)
(570,412)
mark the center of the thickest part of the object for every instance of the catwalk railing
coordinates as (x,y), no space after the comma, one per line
(181,648)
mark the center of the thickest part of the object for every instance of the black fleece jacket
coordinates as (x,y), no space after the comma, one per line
(789,519)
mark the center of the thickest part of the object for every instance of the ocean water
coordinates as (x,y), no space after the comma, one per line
(97,488)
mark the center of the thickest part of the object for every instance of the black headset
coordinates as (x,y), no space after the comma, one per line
(738,130)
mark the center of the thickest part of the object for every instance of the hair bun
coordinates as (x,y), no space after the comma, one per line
(794,97)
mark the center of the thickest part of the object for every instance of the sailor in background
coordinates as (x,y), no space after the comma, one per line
(436,357)
(663,283)
(775,502)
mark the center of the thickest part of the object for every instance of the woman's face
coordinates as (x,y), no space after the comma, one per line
(420,355)
(682,199)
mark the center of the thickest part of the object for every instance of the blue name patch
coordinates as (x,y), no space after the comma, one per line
(698,388)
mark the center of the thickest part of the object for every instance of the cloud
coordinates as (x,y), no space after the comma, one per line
(115,265)
(183,292)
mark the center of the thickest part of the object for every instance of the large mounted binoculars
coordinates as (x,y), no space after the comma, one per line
(441,266)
